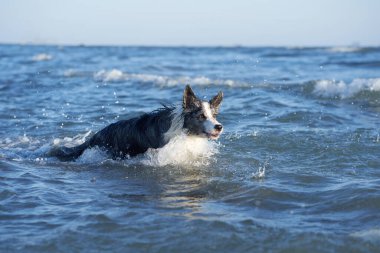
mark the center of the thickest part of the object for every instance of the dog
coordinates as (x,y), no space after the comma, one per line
(131,137)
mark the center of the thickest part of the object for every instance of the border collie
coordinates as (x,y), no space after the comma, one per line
(128,138)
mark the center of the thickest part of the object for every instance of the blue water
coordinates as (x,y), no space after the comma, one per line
(297,168)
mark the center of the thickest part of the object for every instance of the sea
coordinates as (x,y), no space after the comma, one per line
(297,168)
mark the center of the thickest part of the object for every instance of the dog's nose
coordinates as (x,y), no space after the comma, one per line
(218,127)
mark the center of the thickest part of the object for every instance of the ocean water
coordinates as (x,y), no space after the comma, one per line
(297,168)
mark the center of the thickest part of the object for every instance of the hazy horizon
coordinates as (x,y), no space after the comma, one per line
(190,46)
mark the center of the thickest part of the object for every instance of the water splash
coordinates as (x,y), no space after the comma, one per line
(260,173)
(93,156)
(23,147)
(182,150)
(71,141)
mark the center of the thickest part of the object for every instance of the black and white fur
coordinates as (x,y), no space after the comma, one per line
(127,138)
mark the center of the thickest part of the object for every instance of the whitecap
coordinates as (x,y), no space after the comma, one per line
(42,57)
(332,88)
(344,49)
(116,75)
(109,76)
(71,73)
(372,235)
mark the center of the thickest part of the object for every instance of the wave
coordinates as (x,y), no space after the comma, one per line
(42,57)
(352,49)
(116,75)
(23,147)
(74,73)
(341,89)
(344,49)
(323,88)
(371,235)
(35,149)
(368,64)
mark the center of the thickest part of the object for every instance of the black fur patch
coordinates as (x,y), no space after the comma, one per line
(126,137)
(193,122)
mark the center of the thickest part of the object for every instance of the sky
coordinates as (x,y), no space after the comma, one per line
(191,22)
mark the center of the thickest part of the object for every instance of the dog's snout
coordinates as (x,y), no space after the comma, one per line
(218,127)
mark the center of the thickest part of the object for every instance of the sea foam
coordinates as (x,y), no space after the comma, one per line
(372,235)
(116,75)
(332,88)
(182,150)
(42,57)
(71,141)
(345,49)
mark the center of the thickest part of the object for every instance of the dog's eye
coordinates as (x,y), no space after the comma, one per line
(202,116)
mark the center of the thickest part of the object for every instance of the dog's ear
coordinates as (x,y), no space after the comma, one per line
(189,98)
(215,101)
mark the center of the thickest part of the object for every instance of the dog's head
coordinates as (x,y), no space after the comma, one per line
(200,116)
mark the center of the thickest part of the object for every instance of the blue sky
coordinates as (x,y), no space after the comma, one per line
(191,22)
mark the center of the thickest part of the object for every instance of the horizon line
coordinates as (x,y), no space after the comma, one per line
(352,45)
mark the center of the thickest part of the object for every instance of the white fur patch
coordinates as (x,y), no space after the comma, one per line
(207,110)
(210,121)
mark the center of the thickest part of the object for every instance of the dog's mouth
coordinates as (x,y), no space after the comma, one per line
(212,136)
